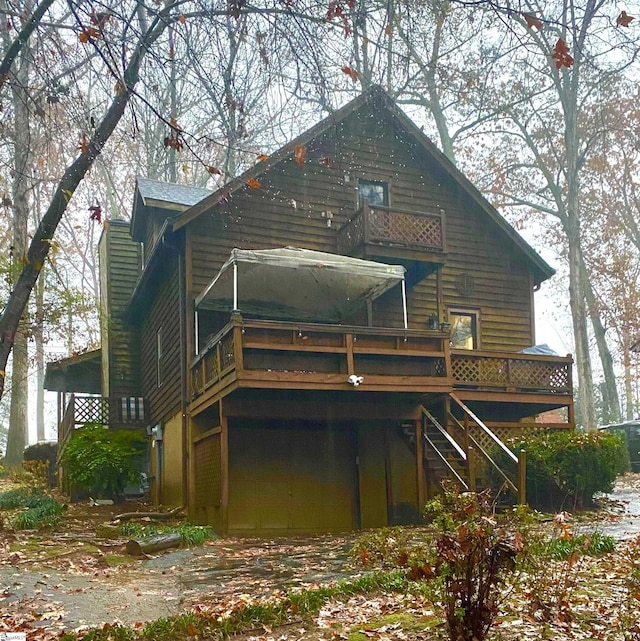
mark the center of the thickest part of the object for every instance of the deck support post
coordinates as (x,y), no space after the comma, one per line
(235,287)
(522,477)
(471,468)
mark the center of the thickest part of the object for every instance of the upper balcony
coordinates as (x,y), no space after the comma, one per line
(393,234)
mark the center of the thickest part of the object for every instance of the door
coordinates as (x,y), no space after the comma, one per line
(291,479)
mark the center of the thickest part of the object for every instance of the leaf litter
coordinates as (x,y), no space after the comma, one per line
(54,581)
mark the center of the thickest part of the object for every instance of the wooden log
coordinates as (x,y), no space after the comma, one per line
(159,516)
(152,544)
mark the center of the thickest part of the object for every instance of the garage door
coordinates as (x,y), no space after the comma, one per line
(291,480)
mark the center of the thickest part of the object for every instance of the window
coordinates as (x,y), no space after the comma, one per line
(373,192)
(464,329)
(159,357)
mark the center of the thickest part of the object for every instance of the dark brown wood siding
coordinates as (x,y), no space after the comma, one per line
(120,270)
(294,203)
(163,314)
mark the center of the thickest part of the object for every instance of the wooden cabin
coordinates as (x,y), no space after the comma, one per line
(317,344)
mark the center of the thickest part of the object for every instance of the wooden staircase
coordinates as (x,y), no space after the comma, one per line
(464,452)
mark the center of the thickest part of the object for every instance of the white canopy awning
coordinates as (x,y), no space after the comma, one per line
(297,284)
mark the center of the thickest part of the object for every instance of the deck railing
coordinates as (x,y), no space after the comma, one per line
(393,227)
(320,355)
(512,372)
(100,410)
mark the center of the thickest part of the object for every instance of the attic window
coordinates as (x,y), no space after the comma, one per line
(373,192)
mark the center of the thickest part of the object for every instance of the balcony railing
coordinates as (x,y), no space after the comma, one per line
(319,356)
(99,410)
(512,372)
(386,227)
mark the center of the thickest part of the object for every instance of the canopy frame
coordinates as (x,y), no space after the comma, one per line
(319,269)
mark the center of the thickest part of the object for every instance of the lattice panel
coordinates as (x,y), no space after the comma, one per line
(91,410)
(512,372)
(537,375)
(196,378)
(227,354)
(208,479)
(559,378)
(494,370)
(465,370)
(440,367)
(407,229)
(486,442)
(351,235)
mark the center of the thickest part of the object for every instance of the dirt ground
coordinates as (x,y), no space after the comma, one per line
(70,579)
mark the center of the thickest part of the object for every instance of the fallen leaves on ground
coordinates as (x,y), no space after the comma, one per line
(44,572)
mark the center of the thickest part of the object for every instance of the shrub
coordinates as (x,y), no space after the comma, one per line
(474,558)
(46,452)
(102,461)
(565,469)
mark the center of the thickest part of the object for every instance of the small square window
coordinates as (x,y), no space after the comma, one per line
(464,329)
(373,192)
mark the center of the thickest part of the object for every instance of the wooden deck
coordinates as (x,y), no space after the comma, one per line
(272,354)
(307,356)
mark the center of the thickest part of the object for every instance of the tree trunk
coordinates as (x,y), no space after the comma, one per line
(38,335)
(22,151)
(610,388)
(73,175)
(18,416)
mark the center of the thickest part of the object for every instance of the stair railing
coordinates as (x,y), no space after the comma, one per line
(430,419)
(519,461)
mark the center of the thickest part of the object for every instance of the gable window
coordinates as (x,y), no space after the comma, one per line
(464,328)
(373,192)
(159,351)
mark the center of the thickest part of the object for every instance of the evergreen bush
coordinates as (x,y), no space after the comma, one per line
(565,469)
(103,461)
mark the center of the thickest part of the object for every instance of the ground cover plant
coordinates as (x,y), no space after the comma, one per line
(36,509)
(190,534)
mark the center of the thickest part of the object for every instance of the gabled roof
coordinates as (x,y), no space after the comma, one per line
(162,195)
(540,268)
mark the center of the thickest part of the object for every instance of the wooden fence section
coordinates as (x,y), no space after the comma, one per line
(512,372)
